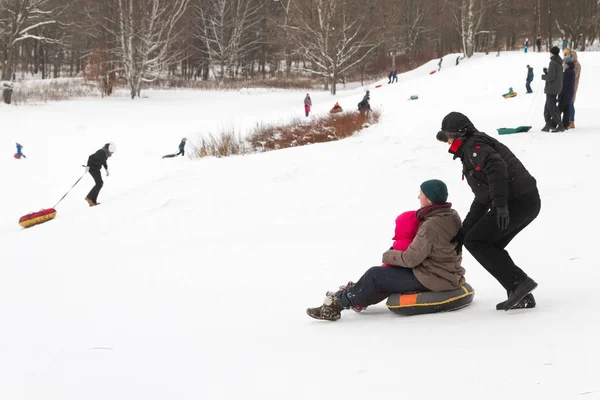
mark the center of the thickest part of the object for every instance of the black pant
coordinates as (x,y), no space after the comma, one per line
(486,242)
(551,112)
(378,283)
(93,194)
(565,109)
(528,86)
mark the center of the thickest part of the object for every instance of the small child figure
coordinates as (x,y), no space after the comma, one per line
(407,225)
(181,149)
(336,109)
(19,153)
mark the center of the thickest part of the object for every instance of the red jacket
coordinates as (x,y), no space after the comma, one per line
(407,225)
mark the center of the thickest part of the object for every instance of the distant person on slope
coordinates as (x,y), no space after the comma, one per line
(181,149)
(526,45)
(506,202)
(538,43)
(529,79)
(19,153)
(553,77)
(440,63)
(95,162)
(429,263)
(307,104)
(565,98)
(395,75)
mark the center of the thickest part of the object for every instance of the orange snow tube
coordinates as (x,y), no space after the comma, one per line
(29,220)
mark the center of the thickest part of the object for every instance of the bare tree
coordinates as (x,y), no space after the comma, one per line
(228,31)
(330,36)
(145,31)
(24,20)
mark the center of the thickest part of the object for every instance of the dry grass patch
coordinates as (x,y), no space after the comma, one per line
(301,132)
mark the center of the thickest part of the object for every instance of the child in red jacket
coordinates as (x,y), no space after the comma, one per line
(407,225)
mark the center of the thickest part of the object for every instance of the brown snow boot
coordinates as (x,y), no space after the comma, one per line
(571,125)
(329,311)
(91,202)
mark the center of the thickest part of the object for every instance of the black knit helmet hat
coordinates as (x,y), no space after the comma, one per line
(454,126)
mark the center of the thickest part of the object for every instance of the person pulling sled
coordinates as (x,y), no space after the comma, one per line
(181,149)
(95,163)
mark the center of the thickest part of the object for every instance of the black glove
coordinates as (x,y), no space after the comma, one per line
(545,70)
(502,218)
(458,240)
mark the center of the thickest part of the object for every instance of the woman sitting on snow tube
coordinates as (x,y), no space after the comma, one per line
(430,263)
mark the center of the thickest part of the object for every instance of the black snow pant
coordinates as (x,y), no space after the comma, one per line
(565,110)
(93,194)
(551,112)
(378,283)
(487,243)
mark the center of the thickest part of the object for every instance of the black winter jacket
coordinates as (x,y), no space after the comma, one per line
(554,76)
(568,90)
(530,74)
(98,159)
(493,172)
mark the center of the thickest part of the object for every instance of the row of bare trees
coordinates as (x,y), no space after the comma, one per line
(140,41)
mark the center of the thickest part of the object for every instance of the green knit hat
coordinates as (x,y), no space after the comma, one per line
(435,190)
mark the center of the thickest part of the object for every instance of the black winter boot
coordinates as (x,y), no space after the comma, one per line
(331,310)
(527,302)
(559,128)
(526,286)
(546,128)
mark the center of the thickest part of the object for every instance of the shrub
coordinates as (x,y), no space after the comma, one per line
(227,143)
(300,132)
(51,90)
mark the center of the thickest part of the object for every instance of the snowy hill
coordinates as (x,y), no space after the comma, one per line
(191,280)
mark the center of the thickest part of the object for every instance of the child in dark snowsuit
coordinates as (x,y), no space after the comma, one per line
(529,79)
(19,152)
(181,149)
(95,162)
(395,76)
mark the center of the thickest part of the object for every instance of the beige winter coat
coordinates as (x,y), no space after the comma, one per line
(431,256)
(577,72)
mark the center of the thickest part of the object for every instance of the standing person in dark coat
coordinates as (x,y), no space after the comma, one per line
(506,201)
(395,75)
(95,162)
(529,79)
(553,77)
(538,43)
(390,76)
(565,98)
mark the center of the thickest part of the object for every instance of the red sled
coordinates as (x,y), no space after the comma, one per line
(378,86)
(433,72)
(29,220)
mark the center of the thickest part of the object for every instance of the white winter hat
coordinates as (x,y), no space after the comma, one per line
(112,147)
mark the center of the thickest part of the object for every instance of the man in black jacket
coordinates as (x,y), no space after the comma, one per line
(553,75)
(506,201)
(95,162)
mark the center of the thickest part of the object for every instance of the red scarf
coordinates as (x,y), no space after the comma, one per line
(425,211)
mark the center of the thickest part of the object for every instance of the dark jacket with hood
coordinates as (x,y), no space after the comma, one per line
(568,89)
(529,74)
(554,76)
(98,159)
(494,173)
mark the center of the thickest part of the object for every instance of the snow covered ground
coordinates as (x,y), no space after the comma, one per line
(191,280)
